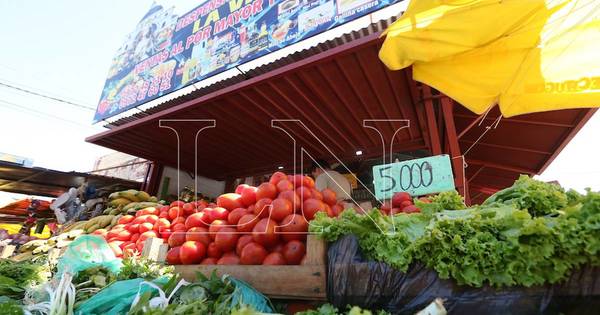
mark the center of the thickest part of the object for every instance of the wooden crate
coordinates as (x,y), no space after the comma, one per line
(302,282)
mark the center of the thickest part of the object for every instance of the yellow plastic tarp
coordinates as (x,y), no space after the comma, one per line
(525,55)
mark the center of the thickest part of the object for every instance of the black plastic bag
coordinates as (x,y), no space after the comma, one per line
(374,285)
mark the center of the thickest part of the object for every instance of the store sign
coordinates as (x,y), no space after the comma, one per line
(417,177)
(166,52)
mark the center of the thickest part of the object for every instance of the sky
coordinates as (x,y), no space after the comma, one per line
(63,48)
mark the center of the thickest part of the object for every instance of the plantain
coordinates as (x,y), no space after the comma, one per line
(130,194)
(114,212)
(105,221)
(153,199)
(143,196)
(120,202)
(140,205)
(92,228)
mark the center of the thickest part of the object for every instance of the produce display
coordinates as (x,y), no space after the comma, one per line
(14,239)
(253,226)
(529,234)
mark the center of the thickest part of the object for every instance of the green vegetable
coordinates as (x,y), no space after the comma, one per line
(501,242)
(538,197)
(10,307)
(138,267)
(16,277)
(328,309)
(448,200)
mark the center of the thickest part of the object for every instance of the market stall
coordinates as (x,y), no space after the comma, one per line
(475,231)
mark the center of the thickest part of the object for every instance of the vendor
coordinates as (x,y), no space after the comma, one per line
(325,177)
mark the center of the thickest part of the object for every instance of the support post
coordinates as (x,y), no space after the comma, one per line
(434,135)
(454,148)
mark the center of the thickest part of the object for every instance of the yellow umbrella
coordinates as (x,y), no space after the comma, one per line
(525,55)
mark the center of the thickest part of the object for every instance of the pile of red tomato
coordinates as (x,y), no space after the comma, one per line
(255,225)
(401,202)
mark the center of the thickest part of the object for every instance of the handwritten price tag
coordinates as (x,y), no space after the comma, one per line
(417,177)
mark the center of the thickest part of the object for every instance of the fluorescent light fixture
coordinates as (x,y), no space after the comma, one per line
(279,167)
(359,152)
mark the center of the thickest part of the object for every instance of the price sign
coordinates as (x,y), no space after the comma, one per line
(417,177)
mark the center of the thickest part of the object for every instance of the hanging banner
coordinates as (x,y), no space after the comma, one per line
(166,52)
(417,177)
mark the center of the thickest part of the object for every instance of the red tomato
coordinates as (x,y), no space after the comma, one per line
(126,219)
(307,181)
(297,180)
(165,234)
(276,177)
(164,215)
(293,227)
(399,197)
(198,234)
(146,235)
(176,239)
(251,208)
(329,211)
(192,252)
(178,220)
(162,224)
(311,207)
(218,213)
(293,197)
(229,201)
(242,241)
(266,190)
(135,237)
(138,220)
(175,212)
(247,223)
(146,211)
(226,239)
(386,206)
(411,209)
(329,196)
(264,232)
(230,254)
(124,235)
(146,226)
(173,256)
(405,204)
(133,228)
(278,248)
(304,193)
(280,208)
(214,251)
(177,203)
(228,260)
(179,227)
(189,208)
(253,254)
(164,209)
(395,211)
(235,215)
(240,187)
(316,194)
(248,195)
(130,250)
(208,261)
(215,227)
(116,247)
(284,185)
(199,219)
(293,252)
(101,232)
(274,259)
(337,209)
(262,206)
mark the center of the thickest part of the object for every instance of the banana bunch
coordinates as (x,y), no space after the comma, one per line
(91,225)
(131,208)
(129,201)
(125,197)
